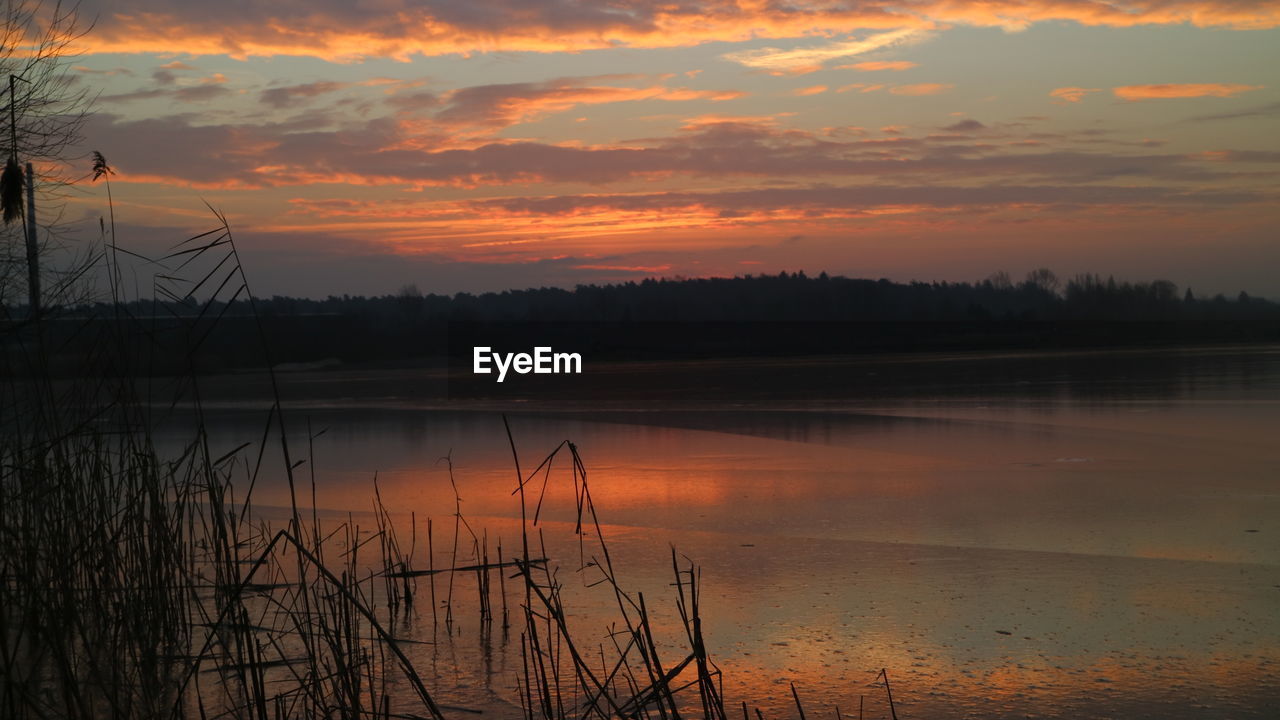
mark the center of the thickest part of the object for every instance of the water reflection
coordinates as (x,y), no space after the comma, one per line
(1079,539)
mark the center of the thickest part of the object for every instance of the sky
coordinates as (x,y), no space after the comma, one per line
(357,147)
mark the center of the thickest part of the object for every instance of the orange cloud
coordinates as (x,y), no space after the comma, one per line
(512,227)
(810,58)
(1065,95)
(700,121)
(645,269)
(503,105)
(881,65)
(676,94)
(1181,90)
(860,87)
(339,30)
(815,90)
(921,89)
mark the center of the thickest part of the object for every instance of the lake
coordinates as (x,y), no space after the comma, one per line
(1037,535)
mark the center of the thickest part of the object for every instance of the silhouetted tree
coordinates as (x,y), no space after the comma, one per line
(44,112)
(1044,279)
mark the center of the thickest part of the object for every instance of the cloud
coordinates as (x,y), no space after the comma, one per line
(134,95)
(165,75)
(698,122)
(200,93)
(109,73)
(196,93)
(289,95)
(208,88)
(505,228)
(964,126)
(1064,95)
(506,104)
(342,30)
(813,90)
(842,200)
(414,101)
(921,89)
(1259,111)
(1181,90)
(808,59)
(631,269)
(384,151)
(316,263)
(881,65)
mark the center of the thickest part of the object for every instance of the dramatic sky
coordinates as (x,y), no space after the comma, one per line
(357,146)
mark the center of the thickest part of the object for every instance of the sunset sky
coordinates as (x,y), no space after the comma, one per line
(482,145)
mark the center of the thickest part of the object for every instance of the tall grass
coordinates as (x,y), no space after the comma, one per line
(138,586)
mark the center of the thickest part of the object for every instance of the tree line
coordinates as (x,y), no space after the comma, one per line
(772,314)
(793,297)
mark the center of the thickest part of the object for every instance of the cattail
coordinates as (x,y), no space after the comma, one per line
(100,166)
(11,191)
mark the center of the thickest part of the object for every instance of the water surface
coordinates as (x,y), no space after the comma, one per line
(1093,535)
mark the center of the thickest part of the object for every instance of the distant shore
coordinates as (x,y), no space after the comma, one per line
(812,382)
